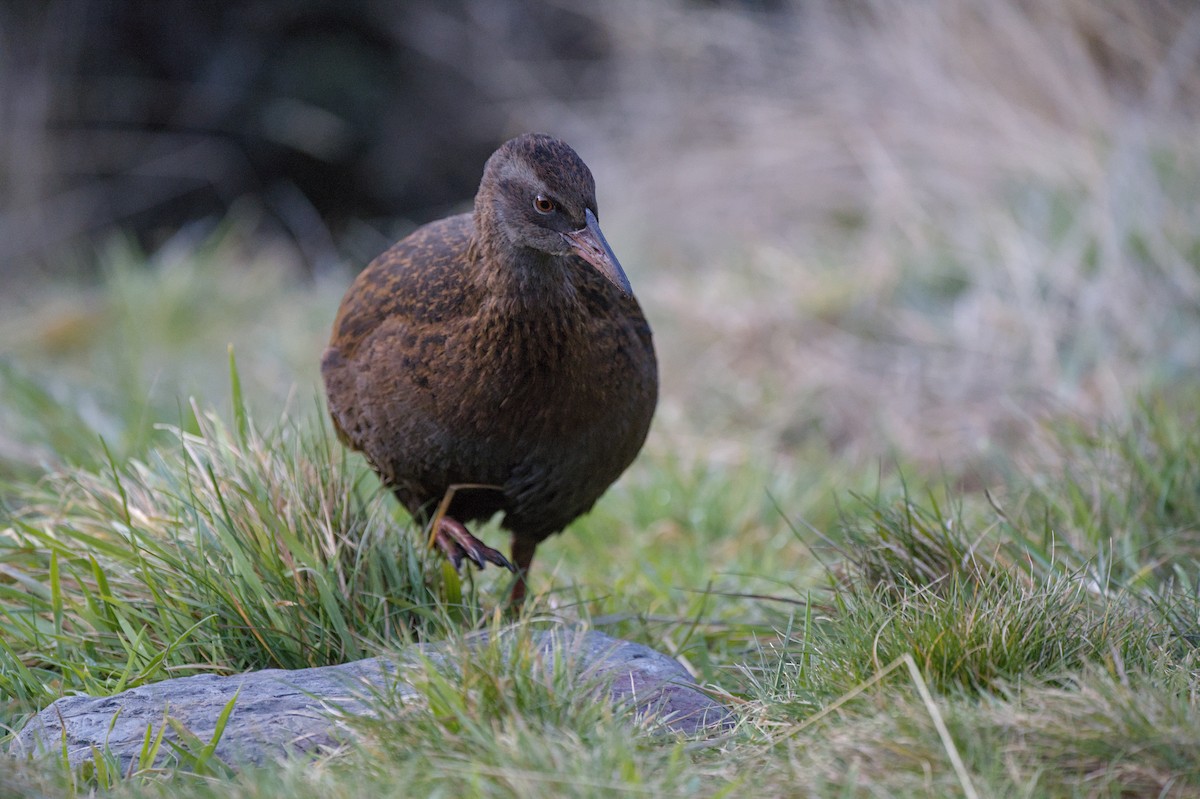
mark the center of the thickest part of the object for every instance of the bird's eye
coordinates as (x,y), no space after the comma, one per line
(543,204)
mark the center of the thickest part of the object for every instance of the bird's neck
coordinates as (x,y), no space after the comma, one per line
(520,280)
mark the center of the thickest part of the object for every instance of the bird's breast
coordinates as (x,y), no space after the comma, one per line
(539,370)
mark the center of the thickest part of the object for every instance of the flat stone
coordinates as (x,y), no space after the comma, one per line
(280,712)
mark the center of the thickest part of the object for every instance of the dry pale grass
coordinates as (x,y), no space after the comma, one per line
(888,225)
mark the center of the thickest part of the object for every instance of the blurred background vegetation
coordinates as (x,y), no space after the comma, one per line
(956,241)
(861,227)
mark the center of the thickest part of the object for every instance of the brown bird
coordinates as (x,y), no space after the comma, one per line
(497,360)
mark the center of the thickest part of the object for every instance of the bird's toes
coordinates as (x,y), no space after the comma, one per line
(451,548)
(456,543)
(493,556)
(481,554)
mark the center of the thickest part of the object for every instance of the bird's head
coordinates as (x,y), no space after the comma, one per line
(538,194)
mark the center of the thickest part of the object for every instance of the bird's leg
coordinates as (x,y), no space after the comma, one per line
(522,555)
(457,543)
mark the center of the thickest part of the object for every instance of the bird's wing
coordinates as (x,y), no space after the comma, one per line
(410,291)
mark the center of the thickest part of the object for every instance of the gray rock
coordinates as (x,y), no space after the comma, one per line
(280,712)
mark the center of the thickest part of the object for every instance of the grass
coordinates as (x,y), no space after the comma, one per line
(921,501)
(1034,639)
(226,551)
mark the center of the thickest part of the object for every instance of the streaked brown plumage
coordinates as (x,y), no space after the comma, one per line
(502,348)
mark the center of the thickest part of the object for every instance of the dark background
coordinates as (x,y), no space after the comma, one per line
(146,115)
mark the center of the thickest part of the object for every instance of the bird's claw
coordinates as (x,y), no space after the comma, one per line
(457,543)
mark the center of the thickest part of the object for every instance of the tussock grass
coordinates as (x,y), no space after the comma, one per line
(1128,492)
(976,635)
(226,550)
(973,615)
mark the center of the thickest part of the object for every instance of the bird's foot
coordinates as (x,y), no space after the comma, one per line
(457,543)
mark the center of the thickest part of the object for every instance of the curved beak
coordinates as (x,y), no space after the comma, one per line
(590,245)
